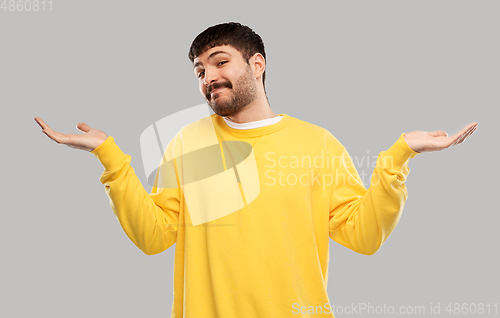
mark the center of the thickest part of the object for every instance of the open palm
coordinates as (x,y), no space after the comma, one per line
(89,140)
(422,141)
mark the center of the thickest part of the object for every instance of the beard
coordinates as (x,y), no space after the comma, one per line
(240,95)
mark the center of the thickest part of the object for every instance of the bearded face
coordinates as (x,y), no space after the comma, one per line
(227,99)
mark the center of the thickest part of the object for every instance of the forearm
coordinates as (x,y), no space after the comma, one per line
(366,218)
(149,220)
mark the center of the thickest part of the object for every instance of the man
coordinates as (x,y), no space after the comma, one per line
(245,199)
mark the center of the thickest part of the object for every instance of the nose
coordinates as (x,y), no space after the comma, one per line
(210,77)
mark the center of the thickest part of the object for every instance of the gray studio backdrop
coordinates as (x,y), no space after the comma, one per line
(365,70)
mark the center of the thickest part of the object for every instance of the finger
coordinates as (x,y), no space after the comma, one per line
(462,137)
(438,133)
(41,123)
(45,128)
(457,139)
(470,132)
(54,135)
(83,127)
(459,136)
(469,127)
(463,131)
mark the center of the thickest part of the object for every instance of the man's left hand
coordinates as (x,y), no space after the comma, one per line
(422,141)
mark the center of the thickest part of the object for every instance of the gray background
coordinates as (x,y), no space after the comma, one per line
(365,70)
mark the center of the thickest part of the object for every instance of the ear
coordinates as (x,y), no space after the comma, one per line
(258,63)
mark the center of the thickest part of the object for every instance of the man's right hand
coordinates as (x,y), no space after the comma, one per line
(89,140)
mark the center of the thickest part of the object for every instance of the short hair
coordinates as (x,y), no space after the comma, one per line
(239,36)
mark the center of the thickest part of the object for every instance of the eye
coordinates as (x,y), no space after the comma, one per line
(222,62)
(200,74)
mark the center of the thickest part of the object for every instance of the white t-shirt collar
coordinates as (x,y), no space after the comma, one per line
(253,124)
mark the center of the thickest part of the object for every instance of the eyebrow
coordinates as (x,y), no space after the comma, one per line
(209,57)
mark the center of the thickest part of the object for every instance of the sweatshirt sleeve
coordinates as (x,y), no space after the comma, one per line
(149,220)
(362,219)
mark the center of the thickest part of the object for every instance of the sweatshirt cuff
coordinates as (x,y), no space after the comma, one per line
(109,154)
(399,153)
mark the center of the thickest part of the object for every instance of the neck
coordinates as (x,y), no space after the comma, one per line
(259,109)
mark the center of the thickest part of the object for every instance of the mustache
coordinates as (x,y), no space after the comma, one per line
(214,86)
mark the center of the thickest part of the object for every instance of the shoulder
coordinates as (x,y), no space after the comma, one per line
(305,126)
(314,132)
(193,135)
(197,125)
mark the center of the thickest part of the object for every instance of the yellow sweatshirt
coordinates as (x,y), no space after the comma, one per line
(252,212)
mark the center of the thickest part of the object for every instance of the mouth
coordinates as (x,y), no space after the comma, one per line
(216,90)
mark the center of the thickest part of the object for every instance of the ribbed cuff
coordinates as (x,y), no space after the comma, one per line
(399,153)
(109,154)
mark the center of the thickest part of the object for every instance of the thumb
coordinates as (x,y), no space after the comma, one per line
(438,133)
(83,127)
